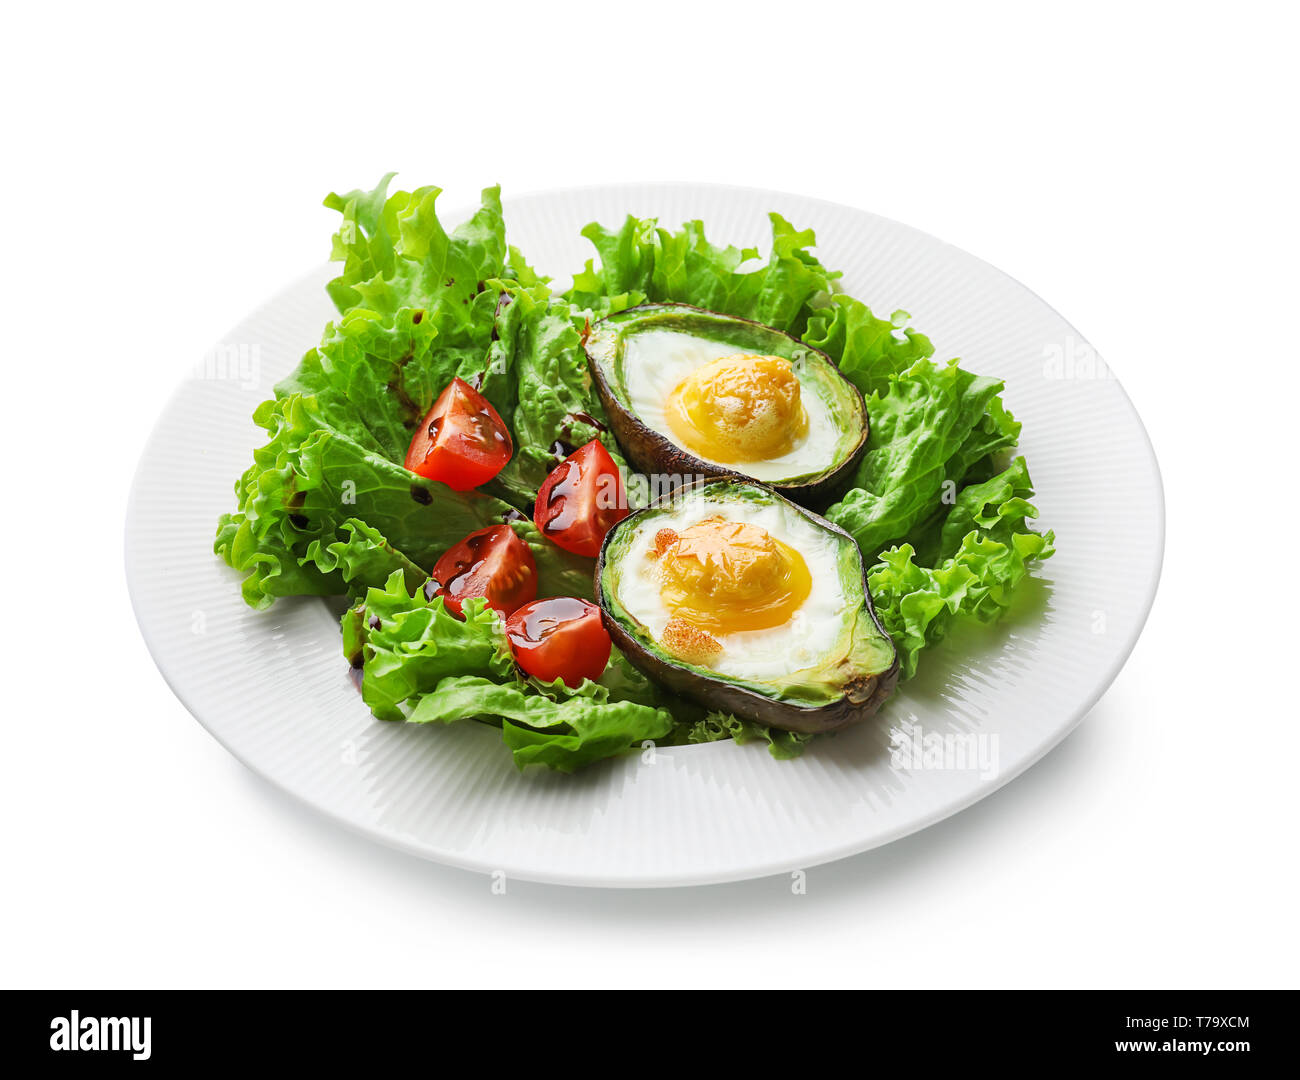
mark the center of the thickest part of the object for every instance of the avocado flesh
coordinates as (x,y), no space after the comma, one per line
(843,685)
(611,345)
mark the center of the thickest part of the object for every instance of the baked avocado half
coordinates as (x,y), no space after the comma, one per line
(692,393)
(736,597)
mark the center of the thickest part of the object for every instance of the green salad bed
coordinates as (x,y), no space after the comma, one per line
(939,504)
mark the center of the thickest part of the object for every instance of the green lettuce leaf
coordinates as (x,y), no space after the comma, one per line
(410,643)
(718,726)
(983,550)
(307,480)
(340,424)
(564,734)
(421,664)
(537,377)
(362,557)
(417,308)
(628,683)
(559,572)
(869,350)
(396,254)
(627,261)
(327,506)
(639,263)
(923,427)
(374,377)
(291,535)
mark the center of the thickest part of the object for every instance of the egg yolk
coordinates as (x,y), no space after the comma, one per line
(738,408)
(727,576)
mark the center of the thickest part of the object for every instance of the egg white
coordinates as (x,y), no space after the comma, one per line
(753,655)
(656,361)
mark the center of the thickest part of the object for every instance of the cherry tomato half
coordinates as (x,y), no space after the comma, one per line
(581,500)
(462,442)
(493,563)
(559,638)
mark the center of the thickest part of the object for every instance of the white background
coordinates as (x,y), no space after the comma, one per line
(1134,165)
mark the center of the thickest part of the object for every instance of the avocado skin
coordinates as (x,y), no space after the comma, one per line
(862,697)
(651,451)
(861,702)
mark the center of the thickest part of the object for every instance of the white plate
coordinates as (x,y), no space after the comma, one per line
(273,686)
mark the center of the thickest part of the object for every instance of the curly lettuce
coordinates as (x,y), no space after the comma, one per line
(309,479)
(718,727)
(425,309)
(928,428)
(421,664)
(396,254)
(641,262)
(536,375)
(868,349)
(941,513)
(562,733)
(974,559)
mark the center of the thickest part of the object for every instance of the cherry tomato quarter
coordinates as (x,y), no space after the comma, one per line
(463,442)
(581,500)
(560,637)
(492,563)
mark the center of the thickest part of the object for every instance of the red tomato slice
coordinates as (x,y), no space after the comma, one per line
(493,563)
(581,500)
(462,442)
(559,638)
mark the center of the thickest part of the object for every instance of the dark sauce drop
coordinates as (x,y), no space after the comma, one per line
(503,302)
(420,495)
(585,418)
(565,442)
(410,408)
